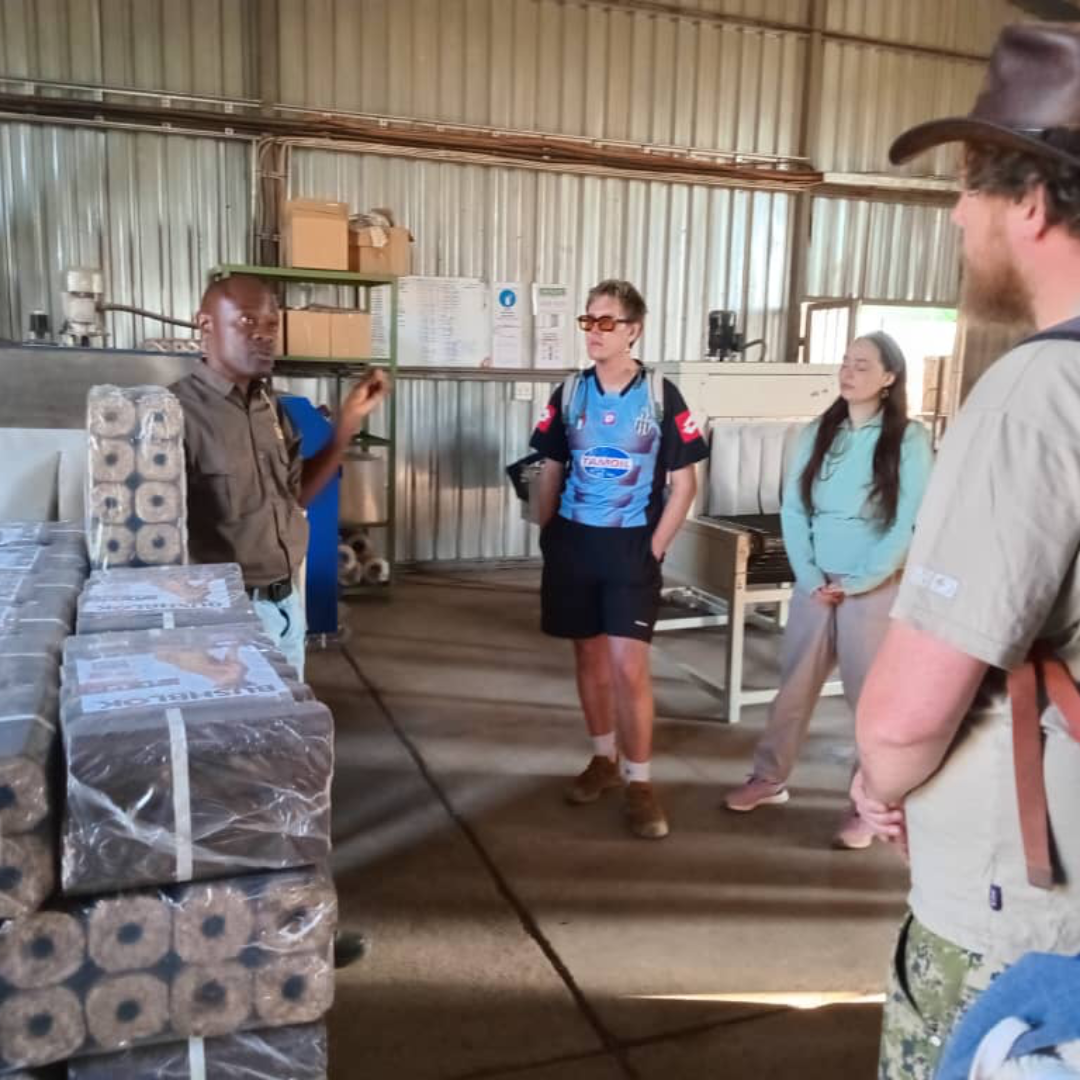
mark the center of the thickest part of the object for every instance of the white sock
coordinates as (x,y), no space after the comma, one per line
(636,772)
(604,745)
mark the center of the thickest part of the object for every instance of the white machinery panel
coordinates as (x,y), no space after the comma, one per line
(737,391)
(752,414)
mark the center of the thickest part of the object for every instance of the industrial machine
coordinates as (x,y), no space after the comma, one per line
(730,553)
(84,308)
(82,302)
(724,339)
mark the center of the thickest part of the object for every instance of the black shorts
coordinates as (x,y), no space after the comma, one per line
(598,581)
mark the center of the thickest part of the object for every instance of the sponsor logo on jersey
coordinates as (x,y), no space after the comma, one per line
(545,418)
(687,427)
(606,463)
(645,422)
(608,419)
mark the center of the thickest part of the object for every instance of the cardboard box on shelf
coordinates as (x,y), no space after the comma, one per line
(350,335)
(307,333)
(316,235)
(378,246)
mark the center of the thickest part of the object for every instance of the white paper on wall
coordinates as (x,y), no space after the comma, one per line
(552,326)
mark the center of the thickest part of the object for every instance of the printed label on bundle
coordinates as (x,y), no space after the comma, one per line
(167,594)
(176,675)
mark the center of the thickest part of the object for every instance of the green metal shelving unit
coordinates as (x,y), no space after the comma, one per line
(324,367)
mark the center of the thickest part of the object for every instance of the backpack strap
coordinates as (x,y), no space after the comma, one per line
(573,384)
(570,387)
(655,382)
(1024,685)
(1066,331)
(1028,752)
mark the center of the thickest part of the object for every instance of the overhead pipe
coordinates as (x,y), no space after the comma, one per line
(492,147)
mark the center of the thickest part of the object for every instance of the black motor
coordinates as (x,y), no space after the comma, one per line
(724,340)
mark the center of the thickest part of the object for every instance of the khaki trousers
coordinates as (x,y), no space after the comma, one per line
(818,638)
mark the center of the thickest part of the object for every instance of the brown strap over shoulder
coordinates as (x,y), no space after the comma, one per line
(1028,753)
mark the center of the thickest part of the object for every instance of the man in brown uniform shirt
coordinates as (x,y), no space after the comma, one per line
(247,484)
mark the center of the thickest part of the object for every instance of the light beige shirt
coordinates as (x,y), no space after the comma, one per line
(992,569)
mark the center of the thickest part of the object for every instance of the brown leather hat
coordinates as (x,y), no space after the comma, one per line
(1033,84)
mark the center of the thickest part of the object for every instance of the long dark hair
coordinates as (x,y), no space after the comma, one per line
(885,490)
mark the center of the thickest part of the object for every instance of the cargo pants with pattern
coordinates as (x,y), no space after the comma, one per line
(931,984)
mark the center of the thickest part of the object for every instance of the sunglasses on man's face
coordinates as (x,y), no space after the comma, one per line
(604,323)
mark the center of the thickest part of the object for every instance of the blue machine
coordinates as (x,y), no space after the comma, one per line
(321,594)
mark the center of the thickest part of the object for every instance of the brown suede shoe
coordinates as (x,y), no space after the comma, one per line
(643,811)
(601,774)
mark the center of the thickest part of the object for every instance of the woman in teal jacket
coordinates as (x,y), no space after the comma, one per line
(849,510)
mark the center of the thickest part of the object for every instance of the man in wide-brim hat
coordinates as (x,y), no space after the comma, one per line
(969,724)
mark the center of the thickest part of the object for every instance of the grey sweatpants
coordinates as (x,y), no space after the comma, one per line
(818,637)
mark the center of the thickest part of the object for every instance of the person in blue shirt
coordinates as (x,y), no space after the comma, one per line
(610,454)
(848,514)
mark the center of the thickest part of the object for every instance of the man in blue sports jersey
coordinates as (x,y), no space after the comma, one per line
(611,453)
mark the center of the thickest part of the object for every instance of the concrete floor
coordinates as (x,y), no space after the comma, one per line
(517,938)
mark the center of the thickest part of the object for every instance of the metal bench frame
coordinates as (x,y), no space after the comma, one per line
(736,601)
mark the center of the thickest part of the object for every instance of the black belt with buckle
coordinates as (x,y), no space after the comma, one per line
(275,592)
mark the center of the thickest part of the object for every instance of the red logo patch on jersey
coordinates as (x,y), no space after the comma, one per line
(545,418)
(687,427)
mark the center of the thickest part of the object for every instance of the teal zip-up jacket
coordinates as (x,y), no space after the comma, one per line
(842,536)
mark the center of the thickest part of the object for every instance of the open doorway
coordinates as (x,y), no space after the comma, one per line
(926,335)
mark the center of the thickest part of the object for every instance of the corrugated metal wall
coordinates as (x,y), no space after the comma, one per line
(157,211)
(963,25)
(882,251)
(870,95)
(456,435)
(689,248)
(184,46)
(154,211)
(571,68)
(793,12)
(872,92)
(454,500)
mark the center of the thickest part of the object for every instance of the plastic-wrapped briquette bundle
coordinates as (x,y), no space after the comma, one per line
(298,1052)
(66,1007)
(165,597)
(136,494)
(189,755)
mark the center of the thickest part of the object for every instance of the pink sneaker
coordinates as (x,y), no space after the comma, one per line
(754,793)
(854,834)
